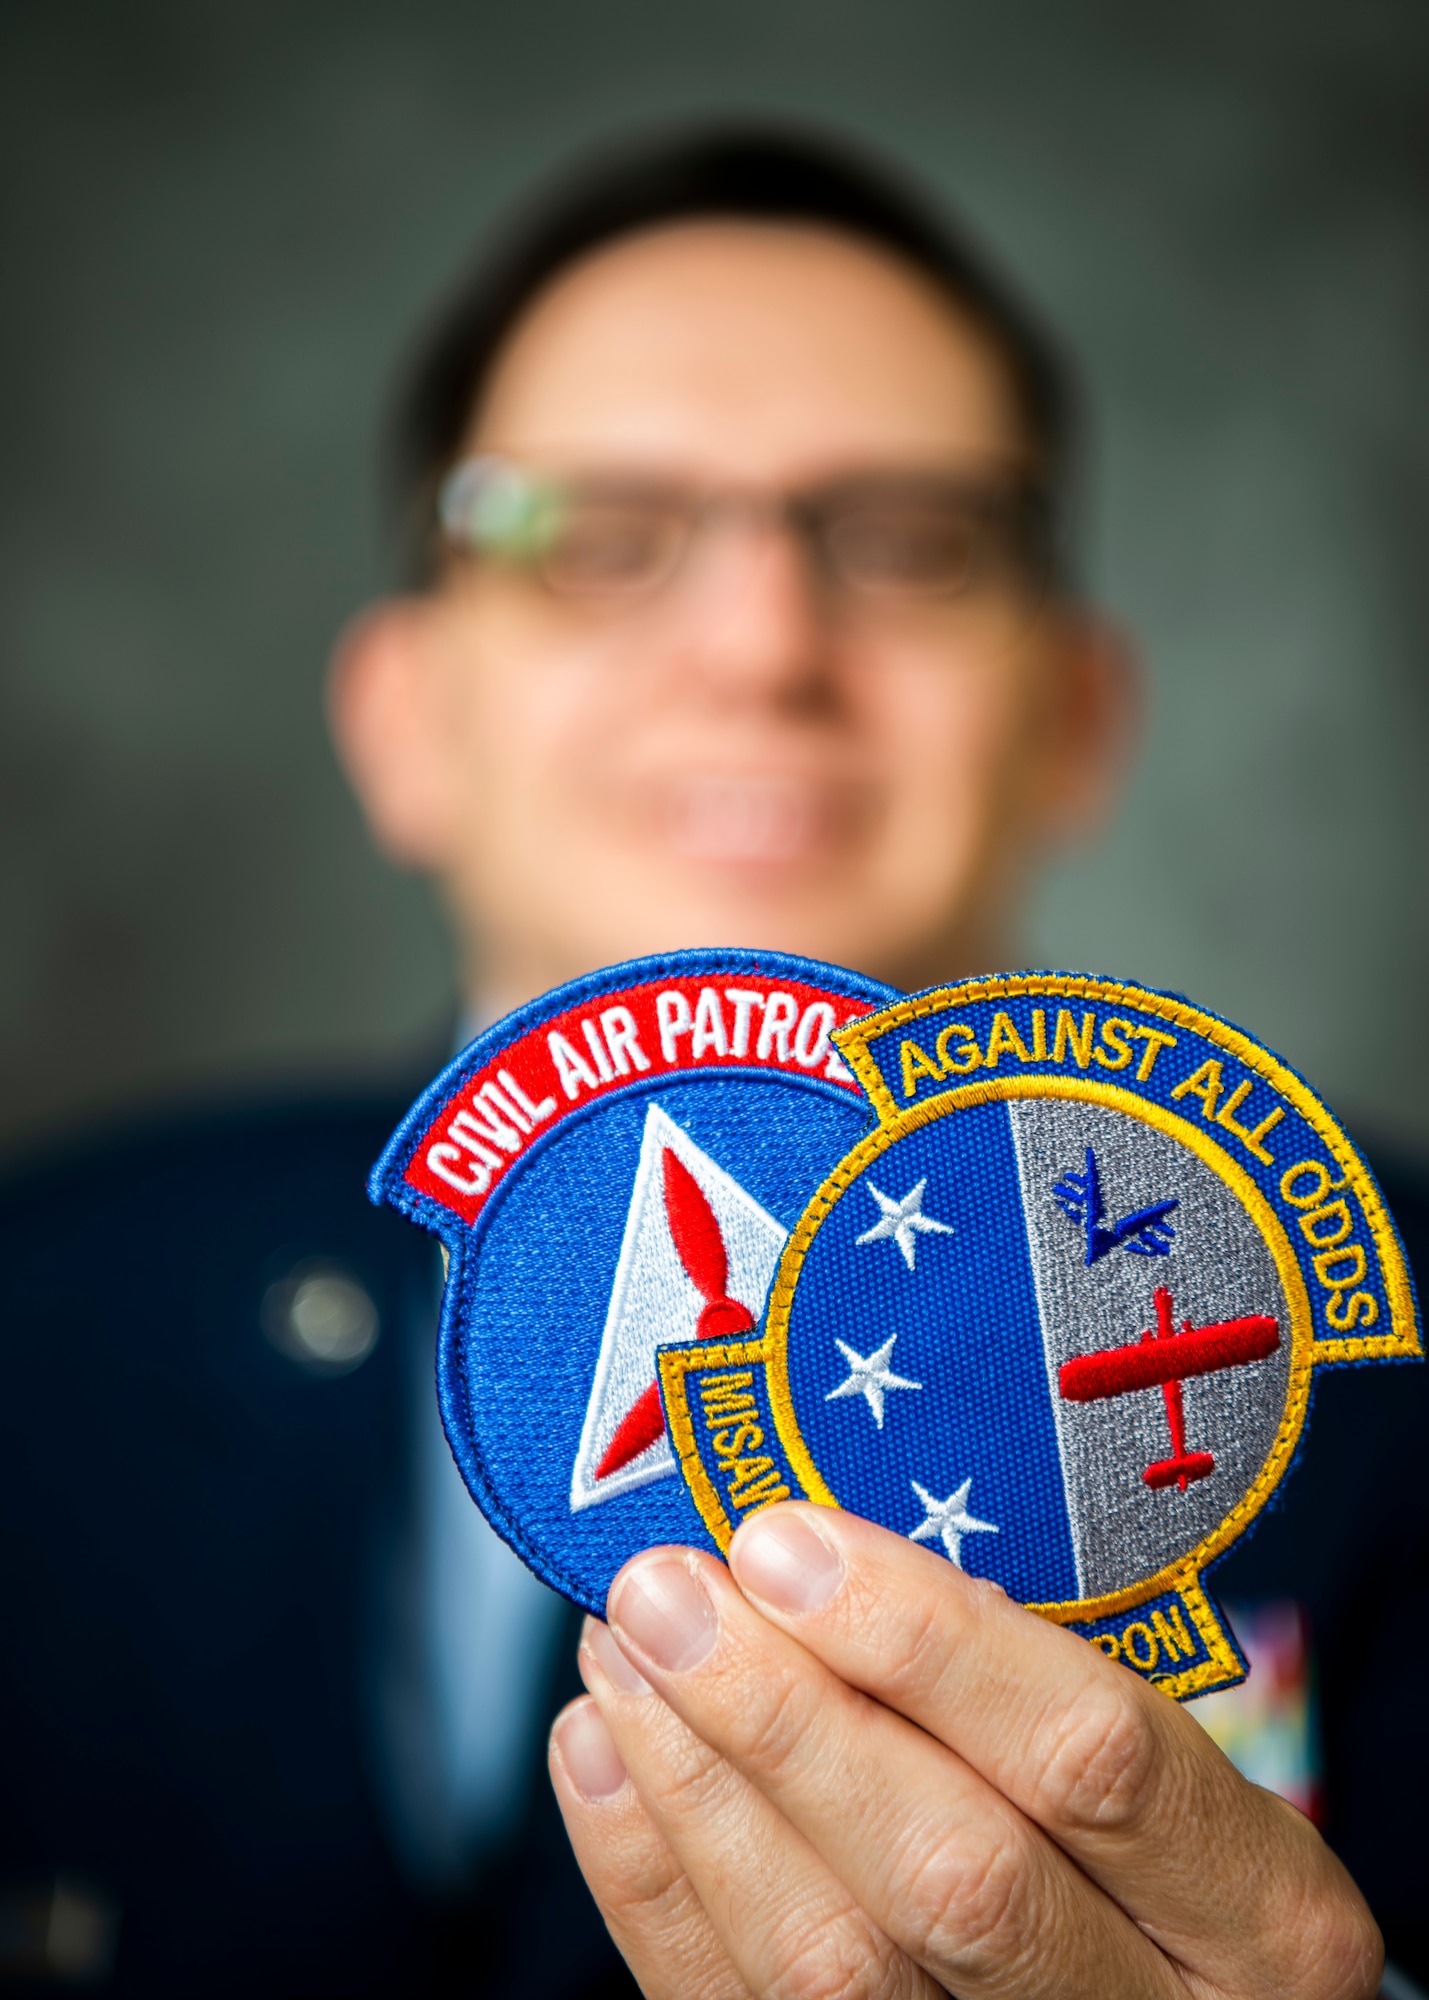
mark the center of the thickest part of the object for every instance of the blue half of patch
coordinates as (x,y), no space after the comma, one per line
(947,1317)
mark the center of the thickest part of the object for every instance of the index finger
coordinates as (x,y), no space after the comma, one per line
(1227,1879)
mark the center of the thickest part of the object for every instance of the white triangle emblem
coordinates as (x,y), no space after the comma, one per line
(698,1257)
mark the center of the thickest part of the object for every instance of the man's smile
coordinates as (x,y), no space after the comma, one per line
(745,818)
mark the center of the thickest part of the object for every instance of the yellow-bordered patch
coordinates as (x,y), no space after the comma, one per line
(1059,1312)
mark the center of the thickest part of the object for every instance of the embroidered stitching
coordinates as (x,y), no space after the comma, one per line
(1328,1241)
(695,1230)
(1166,1357)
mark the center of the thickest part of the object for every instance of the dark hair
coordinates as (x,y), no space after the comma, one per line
(756,173)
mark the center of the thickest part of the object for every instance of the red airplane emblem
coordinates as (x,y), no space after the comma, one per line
(1164,1356)
(695,1229)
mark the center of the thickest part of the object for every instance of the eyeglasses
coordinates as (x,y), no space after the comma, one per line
(618,539)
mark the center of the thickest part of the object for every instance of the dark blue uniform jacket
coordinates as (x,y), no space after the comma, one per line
(193,1528)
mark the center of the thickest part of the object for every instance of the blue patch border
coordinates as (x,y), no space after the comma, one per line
(461,1241)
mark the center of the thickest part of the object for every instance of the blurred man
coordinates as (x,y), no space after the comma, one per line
(742,615)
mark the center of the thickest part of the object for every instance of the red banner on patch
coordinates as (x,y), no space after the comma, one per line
(661,1028)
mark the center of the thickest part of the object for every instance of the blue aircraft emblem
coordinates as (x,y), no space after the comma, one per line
(1146,1233)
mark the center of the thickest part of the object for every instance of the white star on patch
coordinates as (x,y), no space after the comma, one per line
(902,1220)
(948,1519)
(869,1378)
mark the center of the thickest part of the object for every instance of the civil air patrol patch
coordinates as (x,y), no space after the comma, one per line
(1035,1270)
(617,1166)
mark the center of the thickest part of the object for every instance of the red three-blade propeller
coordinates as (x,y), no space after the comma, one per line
(695,1229)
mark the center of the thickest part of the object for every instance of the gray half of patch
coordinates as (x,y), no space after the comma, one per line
(1218,1267)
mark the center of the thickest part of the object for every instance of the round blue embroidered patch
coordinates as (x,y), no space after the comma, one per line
(1034,1270)
(613,1168)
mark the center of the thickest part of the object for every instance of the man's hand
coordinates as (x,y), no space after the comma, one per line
(845,1769)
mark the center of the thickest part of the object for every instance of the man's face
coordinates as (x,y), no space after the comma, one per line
(747,755)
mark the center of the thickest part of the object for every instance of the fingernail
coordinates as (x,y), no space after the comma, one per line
(600,1641)
(779,1558)
(588,1752)
(665,1613)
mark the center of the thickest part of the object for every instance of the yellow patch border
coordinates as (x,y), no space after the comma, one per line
(1222,1668)
(1084,1090)
(770,1349)
(676,1363)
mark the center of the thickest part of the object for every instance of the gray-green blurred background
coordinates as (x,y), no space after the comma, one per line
(221,222)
